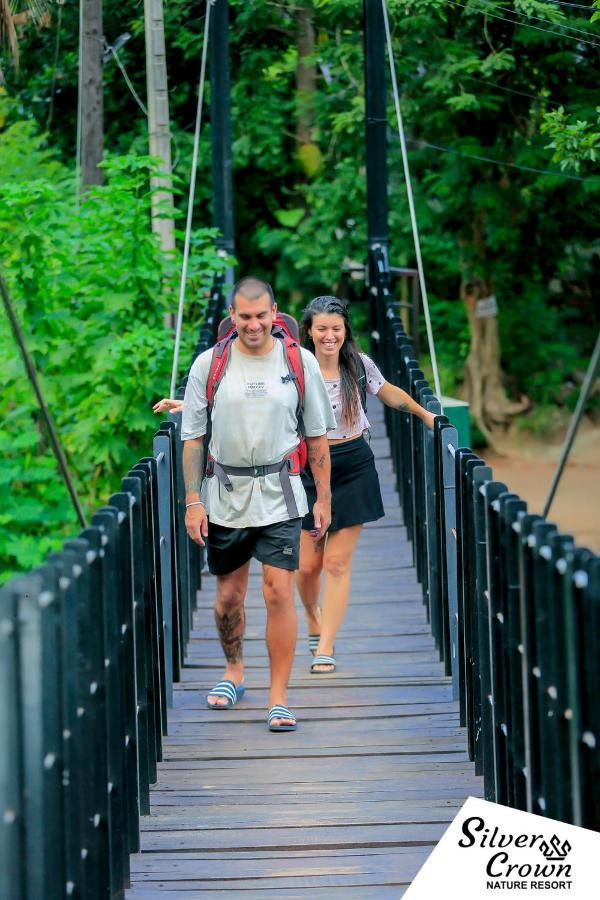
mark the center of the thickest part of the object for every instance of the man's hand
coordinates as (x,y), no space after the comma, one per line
(320,466)
(322,517)
(196,523)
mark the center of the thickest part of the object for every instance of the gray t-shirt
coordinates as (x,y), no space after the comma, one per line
(254,424)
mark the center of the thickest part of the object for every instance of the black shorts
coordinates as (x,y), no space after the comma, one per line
(355,491)
(276,545)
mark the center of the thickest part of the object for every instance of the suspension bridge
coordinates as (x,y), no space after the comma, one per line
(469,667)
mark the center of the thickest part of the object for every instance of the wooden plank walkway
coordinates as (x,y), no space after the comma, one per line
(352,803)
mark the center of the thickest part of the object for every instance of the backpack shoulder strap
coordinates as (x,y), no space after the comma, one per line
(218,364)
(293,357)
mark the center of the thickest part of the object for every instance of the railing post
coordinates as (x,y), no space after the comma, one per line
(77,859)
(154,579)
(107,521)
(586,584)
(162,452)
(168,431)
(529,657)
(448,444)
(562,659)
(12,820)
(467,635)
(182,542)
(492,492)
(133,487)
(434,586)
(484,743)
(510,509)
(40,700)
(124,503)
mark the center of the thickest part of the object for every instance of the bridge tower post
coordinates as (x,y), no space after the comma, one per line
(376,127)
(377,268)
(220,90)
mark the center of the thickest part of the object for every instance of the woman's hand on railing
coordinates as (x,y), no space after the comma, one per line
(168,405)
(428,418)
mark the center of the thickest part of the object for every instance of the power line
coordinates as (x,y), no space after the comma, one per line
(573,5)
(562,24)
(501,87)
(521,24)
(419,144)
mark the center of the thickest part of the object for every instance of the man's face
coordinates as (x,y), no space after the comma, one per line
(253,320)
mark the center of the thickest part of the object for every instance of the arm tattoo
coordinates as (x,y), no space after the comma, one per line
(321,491)
(231,628)
(315,460)
(193,465)
(404,407)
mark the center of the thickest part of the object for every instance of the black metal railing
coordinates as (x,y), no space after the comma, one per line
(90,644)
(514,604)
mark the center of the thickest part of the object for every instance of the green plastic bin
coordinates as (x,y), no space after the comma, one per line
(458,414)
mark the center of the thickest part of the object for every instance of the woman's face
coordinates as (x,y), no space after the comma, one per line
(328,333)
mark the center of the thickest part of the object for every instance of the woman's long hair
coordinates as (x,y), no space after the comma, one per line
(351,367)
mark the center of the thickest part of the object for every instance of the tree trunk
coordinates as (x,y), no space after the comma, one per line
(159,128)
(489,405)
(92,105)
(309,154)
(8,35)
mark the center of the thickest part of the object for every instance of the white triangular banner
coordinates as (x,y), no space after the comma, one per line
(492,852)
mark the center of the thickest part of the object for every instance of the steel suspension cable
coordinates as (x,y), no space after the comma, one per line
(190,209)
(586,388)
(411,204)
(45,411)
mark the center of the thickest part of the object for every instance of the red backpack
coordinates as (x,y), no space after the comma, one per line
(285,329)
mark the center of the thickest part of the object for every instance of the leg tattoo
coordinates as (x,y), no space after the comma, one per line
(231,633)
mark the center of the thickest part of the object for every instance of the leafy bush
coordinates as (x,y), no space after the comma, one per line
(91,289)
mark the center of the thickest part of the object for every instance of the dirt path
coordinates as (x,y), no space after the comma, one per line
(528,470)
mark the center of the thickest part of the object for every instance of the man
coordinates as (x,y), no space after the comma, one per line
(241,515)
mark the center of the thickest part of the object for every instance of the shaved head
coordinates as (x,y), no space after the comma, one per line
(252,289)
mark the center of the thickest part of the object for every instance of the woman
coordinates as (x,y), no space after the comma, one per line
(356,495)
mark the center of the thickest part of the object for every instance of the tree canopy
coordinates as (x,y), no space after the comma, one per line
(500,104)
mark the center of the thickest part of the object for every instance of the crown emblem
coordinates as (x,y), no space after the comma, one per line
(554,851)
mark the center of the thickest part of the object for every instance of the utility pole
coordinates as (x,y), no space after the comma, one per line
(91,105)
(220,117)
(159,127)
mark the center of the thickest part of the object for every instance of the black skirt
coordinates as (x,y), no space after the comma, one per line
(355,491)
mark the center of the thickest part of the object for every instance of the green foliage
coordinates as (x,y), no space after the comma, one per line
(573,141)
(91,290)
(500,110)
(542,364)
(24,154)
